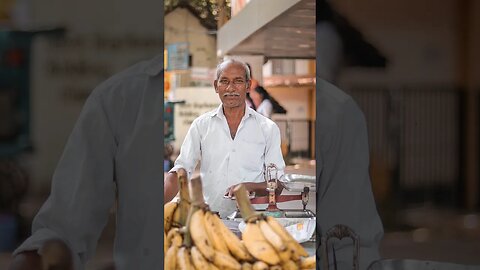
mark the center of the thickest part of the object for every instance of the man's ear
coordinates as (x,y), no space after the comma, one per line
(215,86)
(249,84)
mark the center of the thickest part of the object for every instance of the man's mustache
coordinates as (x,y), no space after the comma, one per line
(231,94)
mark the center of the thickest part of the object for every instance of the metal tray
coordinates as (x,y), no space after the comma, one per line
(296,182)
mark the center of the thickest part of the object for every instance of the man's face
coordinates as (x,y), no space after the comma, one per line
(232,86)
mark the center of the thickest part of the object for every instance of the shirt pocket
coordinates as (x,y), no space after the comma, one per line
(253,155)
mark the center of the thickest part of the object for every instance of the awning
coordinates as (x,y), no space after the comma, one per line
(273,28)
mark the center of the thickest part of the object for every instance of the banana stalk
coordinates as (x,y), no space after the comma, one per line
(180,214)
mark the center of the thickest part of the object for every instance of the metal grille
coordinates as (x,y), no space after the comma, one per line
(415,132)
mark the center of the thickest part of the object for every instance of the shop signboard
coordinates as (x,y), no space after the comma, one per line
(178,56)
(202,76)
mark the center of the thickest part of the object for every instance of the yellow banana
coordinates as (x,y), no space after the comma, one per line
(174,237)
(170,262)
(168,211)
(272,237)
(285,255)
(234,244)
(212,230)
(200,239)
(259,265)
(184,261)
(165,246)
(258,246)
(213,267)
(198,260)
(290,265)
(247,266)
(225,261)
(308,263)
(180,214)
(282,232)
(275,267)
(295,253)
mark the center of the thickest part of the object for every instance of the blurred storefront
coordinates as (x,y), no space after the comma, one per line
(190,44)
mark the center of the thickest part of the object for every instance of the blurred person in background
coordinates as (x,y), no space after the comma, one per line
(265,104)
(233,142)
(254,83)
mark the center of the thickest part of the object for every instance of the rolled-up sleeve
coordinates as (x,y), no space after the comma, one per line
(82,191)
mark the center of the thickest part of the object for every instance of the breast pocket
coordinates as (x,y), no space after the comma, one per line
(253,155)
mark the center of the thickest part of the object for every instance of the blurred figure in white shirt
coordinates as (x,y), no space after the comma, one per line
(265,104)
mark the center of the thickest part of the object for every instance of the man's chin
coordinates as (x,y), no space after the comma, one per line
(231,105)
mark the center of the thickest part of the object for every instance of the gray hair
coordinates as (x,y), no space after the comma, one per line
(228,62)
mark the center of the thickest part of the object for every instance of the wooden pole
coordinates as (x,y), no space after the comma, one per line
(222,14)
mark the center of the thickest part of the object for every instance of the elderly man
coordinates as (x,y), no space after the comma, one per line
(233,142)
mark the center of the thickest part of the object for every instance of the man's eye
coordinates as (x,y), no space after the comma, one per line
(224,82)
(239,82)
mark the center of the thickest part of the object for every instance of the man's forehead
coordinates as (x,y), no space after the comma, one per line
(233,68)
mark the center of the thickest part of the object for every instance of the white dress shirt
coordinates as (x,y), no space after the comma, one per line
(226,161)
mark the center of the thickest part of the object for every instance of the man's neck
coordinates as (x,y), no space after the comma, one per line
(234,113)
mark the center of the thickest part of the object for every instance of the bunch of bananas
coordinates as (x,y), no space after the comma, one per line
(268,241)
(206,243)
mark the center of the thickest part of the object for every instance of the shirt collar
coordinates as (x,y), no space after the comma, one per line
(219,112)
